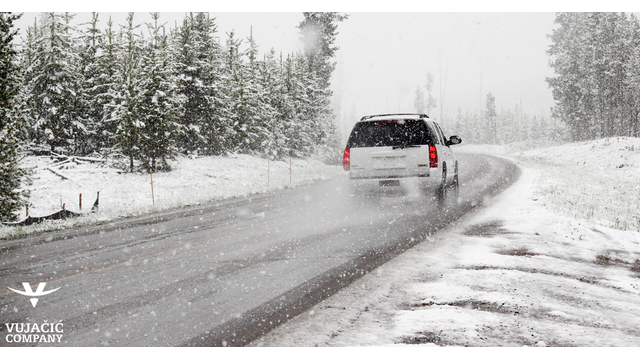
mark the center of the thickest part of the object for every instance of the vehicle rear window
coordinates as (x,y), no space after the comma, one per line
(390,133)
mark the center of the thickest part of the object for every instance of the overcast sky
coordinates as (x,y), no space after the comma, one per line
(385,55)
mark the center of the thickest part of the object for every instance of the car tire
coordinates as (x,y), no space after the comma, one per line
(441,191)
(454,193)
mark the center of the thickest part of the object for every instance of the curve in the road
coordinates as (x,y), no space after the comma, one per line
(259,321)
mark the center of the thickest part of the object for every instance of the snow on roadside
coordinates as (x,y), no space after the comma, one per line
(526,270)
(596,180)
(192,182)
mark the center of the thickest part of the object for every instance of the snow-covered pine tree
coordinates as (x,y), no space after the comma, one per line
(491,116)
(106,87)
(11,175)
(626,49)
(127,95)
(233,80)
(235,105)
(270,85)
(430,102)
(418,100)
(318,31)
(282,105)
(633,82)
(160,104)
(590,55)
(571,90)
(198,76)
(304,108)
(92,89)
(27,60)
(295,107)
(255,101)
(190,86)
(215,126)
(55,84)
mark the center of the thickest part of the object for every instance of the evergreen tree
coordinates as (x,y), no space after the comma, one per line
(108,91)
(27,61)
(591,55)
(128,95)
(246,97)
(430,102)
(297,108)
(216,123)
(106,85)
(631,125)
(198,76)
(492,118)
(159,107)
(55,85)
(318,32)
(270,81)
(418,100)
(284,106)
(92,89)
(11,175)
(256,100)
(305,130)
(233,80)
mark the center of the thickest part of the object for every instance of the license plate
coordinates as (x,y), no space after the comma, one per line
(389,182)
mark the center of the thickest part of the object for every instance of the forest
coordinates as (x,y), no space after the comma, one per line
(142,93)
(595,58)
(146,92)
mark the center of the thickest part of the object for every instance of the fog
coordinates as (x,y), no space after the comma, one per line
(384,56)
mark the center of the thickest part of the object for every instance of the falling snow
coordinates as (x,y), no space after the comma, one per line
(523,270)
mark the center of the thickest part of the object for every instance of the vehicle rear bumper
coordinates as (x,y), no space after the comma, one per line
(393,184)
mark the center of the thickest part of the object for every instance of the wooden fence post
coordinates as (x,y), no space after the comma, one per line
(153,199)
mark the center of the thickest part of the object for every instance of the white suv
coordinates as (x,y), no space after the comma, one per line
(401,151)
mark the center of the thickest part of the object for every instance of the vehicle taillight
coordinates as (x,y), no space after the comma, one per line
(346,160)
(433,156)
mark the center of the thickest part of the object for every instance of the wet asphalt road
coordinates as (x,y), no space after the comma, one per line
(223,273)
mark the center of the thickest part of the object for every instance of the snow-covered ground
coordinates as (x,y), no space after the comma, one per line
(552,261)
(192,182)
(541,265)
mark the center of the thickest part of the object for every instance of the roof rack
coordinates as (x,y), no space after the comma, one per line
(401,114)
